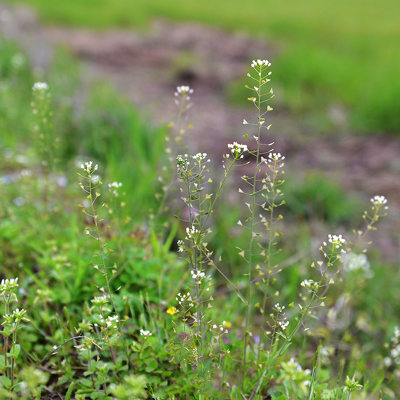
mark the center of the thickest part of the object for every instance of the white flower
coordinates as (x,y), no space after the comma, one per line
(200,156)
(183,91)
(198,276)
(355,262)
(308,283)
(39,86)
(237,149)
(145,333)
(260,63)
(379,201)
(337,241)
(8,285)
(113,188)
(283,324)
(88,167)
(276,157)
(191,232)
(181,246)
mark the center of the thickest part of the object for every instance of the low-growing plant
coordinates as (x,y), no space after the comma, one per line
(114,313)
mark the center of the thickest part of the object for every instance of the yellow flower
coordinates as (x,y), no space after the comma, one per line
(227,324)
(172,311)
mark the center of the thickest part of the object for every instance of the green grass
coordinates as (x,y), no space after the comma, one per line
(341,51)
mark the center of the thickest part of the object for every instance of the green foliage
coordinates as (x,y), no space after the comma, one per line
(315,196)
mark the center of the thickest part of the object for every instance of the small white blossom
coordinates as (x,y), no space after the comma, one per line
(39,86)
(379,201)
(183,91)
(191,232)
(181,246)
(88,167)
(145,333)
(237,149)
(260,63)
(276,157)
(338,241)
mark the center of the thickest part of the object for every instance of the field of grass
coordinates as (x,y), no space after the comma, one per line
(342,52)
(162,288)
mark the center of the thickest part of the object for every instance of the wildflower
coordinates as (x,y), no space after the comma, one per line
(199,156)
(172,310)
(279,308)
(145,333)
(183,91)
(191,232)
(198,276)
(275,157)
(40,86)
(16,317)
(113,188)
(260,63)
(309,283)
(100,300)
(337,241)
(227,324)
(8,285)
(237,149)
(356,262)
(283,324)
(88,167)
(379,201)
(181,246)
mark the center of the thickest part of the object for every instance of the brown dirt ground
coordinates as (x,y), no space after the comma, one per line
(146,66)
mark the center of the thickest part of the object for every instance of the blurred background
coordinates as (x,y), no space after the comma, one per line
(335,75)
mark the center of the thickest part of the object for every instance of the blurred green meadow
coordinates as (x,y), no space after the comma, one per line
(344,52)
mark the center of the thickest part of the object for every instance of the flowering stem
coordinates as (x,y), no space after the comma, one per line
(252,212)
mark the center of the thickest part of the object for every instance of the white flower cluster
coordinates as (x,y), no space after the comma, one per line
(309,284)
(100,300)
(379,201)
(8,285)
(237,149)
(260,63)
(357,262)
(200,157)
(181,246)
(110,322)
(145,333)
(113,187)
(88,167)
(279,308)
(16,317)
(40,86)
(191,232)
(276,157)
(183,91)
(219,329)
(394,357)
(338,241)
(198,276)
(182,163)
(182,298)
(283,324)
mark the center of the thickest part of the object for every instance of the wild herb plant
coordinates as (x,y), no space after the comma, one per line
(115,315)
